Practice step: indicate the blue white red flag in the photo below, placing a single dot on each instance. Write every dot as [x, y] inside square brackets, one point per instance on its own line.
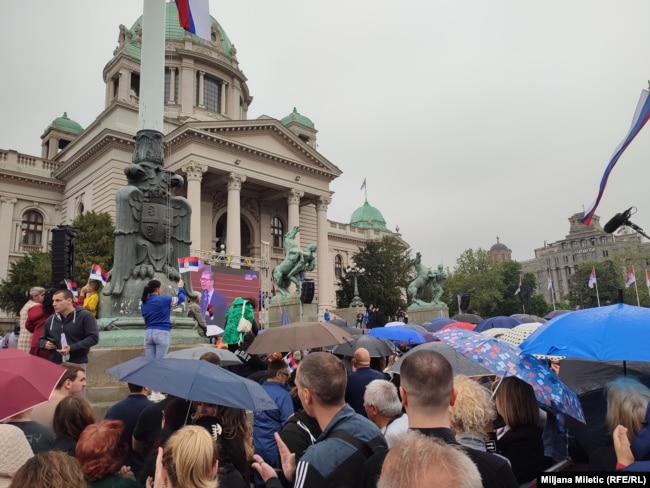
[631, 278]
[188, 263]
[194, 17]
[518, 290]
[291, 362]
[592, 278]
[72, 286]
[98, 273]
[641, 116]
[549, 281]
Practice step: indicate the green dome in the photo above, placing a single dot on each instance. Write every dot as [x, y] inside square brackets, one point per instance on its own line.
[368, 217]
[296, 117]
[67, 125]
[174, 31]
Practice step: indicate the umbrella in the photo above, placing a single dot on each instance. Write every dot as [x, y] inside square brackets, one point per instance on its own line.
[499, 321]
[503, 359]
[195, 380]
[527, 318]
[25, 381]
[339, 322]
[613, 333]
[376, 347]
[472, 318]
[517, 335]
[459, 363]
[459, 325]
[436, 324]
[555, 313]
[428, 336]
[227, 357]
[496, 332]
[397, 333]
[299, 335]
[352, 331]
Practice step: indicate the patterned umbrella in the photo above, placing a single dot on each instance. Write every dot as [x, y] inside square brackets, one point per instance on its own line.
[497, 332]
[502, 359]
[519, 334]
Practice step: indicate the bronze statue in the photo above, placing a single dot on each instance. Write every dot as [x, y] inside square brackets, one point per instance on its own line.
[296, 264]
[426, 277]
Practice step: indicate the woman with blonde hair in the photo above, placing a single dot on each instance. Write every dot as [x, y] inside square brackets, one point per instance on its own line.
[188, 460]
[472, 413]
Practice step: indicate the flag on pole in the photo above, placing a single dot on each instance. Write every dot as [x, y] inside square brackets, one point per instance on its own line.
[72, 286]
[647, 279]
[98, 273]
[363, 185]
[631, 278]
[188, 263]
[641, 116]
[549, 280]
[518, 290]
[194, 17]
[592, 278]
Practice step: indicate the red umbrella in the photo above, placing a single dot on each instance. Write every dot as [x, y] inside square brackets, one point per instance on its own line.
[459, 325]
[26, 381]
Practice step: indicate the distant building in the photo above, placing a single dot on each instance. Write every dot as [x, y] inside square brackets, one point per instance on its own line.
[500, 253]
[580, 245]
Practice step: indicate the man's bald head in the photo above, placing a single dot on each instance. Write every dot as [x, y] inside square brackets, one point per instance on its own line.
[362, 358]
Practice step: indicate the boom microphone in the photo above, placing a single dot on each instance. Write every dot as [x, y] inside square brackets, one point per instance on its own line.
[617, 220]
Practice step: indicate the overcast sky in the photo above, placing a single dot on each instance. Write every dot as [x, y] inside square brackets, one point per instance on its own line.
[470, 119]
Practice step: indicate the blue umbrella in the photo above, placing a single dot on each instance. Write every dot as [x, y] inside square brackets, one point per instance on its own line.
[397, 333]
[436, 324]
[498, 322]
[195, 380]
[614, 333]
[503, 359]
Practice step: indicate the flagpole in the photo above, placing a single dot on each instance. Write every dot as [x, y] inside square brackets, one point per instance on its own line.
[597, 296]
[636, 287]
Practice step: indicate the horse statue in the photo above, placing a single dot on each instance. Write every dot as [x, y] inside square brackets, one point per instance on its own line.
[294, 267]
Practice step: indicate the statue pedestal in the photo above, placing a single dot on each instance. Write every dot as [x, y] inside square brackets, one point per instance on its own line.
[296, 311]
[420, 315]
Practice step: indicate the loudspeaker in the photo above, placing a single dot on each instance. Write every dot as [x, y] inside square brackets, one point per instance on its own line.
[63, 244]
[463, 302]
[307, 294]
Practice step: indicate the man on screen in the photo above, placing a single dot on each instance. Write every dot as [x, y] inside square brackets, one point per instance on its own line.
[213, 304]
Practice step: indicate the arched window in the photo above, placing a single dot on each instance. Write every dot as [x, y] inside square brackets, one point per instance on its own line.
[32, 228]
[277, 231]
[338, 266]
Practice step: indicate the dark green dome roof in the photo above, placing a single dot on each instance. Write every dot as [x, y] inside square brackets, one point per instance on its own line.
[174, 31]
[296, 117]
[67, 125]
[368, 217]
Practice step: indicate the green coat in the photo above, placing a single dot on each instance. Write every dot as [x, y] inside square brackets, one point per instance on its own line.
[230, 334]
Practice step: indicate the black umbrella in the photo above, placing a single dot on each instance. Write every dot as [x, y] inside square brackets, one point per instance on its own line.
[339, 322]
[459, 363]
[376, 347]
[470, 318]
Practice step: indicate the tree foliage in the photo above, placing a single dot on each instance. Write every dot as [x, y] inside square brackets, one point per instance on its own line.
[386, 274]
[34, 269]
[94, 243]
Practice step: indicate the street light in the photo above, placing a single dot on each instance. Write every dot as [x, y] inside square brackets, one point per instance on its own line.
[355, 272]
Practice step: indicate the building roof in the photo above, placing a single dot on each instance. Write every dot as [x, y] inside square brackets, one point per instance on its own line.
[65, 124]
[368, 217]
[499, 247]
[298, 118]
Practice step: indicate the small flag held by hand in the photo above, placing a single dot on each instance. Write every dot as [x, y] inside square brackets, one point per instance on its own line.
[98, 273]
[72, 286]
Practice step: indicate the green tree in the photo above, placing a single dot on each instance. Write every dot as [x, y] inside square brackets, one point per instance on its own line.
[608, 281]
[33, 269]
[94, 243]
[386, 274]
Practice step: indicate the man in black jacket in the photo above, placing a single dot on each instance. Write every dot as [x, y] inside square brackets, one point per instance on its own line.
[426, 389]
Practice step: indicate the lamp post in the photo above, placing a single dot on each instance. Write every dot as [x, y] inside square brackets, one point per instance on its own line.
[355, 272]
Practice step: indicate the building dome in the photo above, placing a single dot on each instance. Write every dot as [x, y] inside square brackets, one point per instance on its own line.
[173, 31]
[65, 124]
[368, 217]
[499, 252]
[297, 118]
[498, 247]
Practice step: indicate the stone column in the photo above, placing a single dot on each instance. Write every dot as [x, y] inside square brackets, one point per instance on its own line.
[293, 203]
[172, 86]
[201, 83]
[187, 90]
[233, 226]
[124, 87]
[6, 218]
[224, 87]
[194, 173]
[323, 266]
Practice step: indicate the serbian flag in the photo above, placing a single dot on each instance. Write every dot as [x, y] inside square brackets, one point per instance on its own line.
[72, 286]
[194, 17]
[631, 278]
[188, 263]
[291, 362]
[549, 281]
[98, 273]
[592, 278]
[518, 290]
[641, 116]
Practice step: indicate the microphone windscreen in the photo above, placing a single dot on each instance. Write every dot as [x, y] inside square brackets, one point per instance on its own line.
[614, 223]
